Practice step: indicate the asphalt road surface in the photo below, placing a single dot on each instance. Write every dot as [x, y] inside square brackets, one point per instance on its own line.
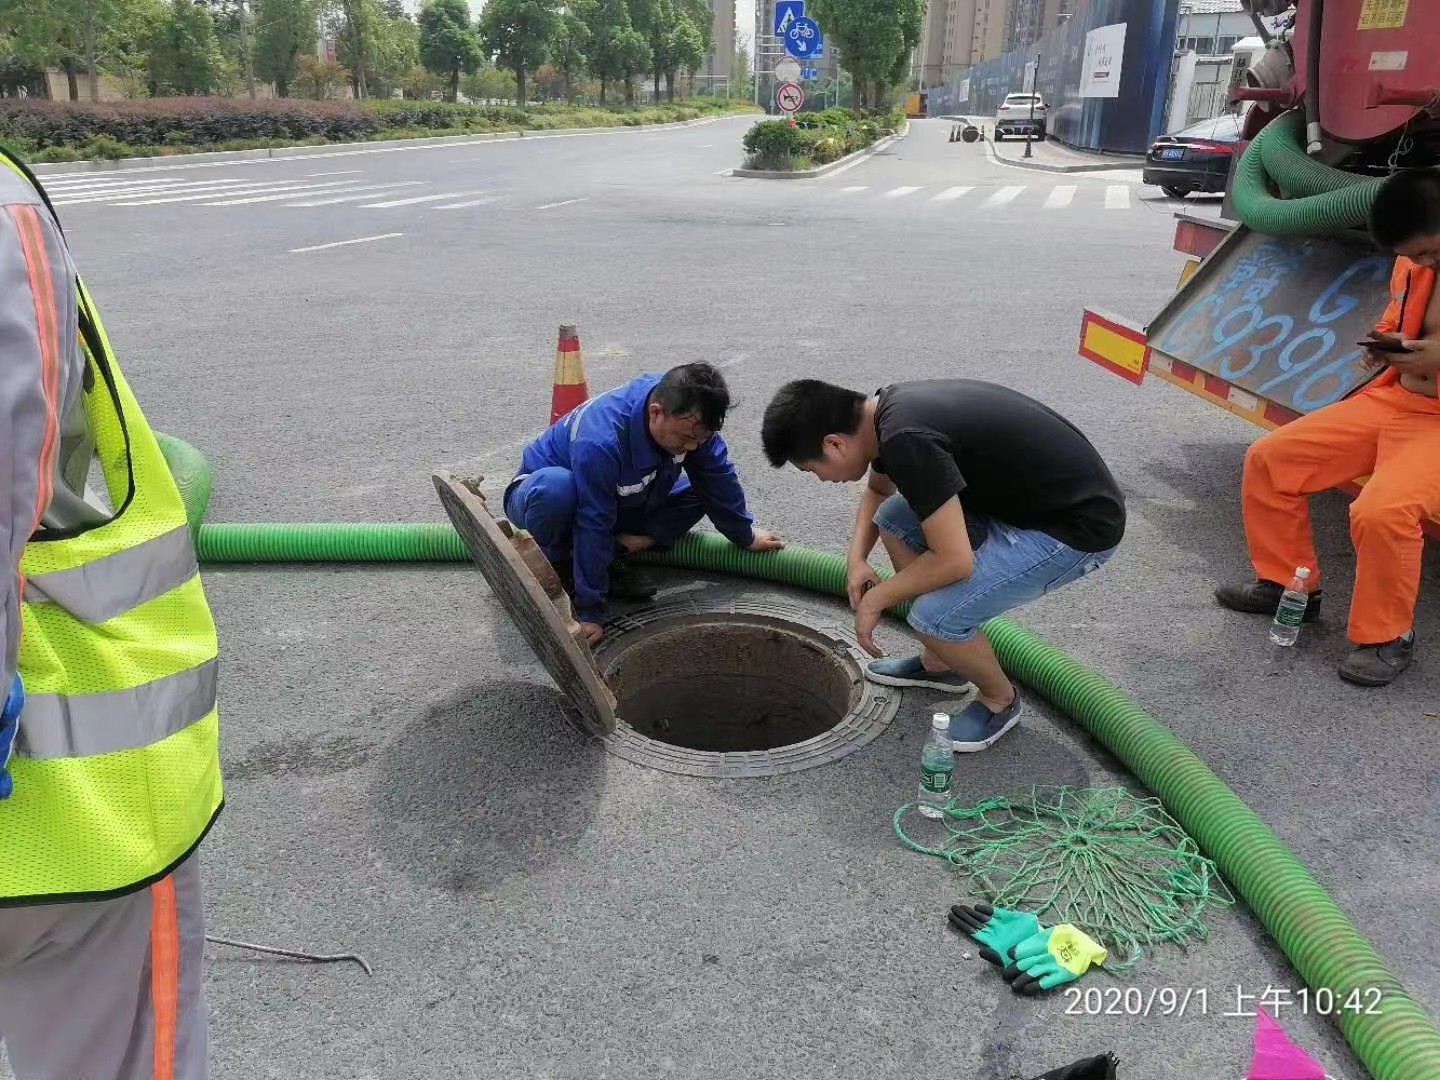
[401, 778]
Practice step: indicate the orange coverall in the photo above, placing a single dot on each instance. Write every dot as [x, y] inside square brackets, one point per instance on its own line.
[1386, 431]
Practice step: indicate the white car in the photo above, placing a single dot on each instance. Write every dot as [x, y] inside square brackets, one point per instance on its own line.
[1014, 116]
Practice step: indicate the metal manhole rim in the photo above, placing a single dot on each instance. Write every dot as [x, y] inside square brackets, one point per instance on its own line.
[860, 725]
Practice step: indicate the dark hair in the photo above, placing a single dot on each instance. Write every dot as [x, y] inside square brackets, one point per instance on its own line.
[1406, 206]
[694, 388]
[802, 413]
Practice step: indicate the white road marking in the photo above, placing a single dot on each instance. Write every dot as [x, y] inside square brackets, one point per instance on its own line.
[366, 191]
[346, 243]
[1005, 195]
[71, 183]
[900, 192]
[1062, 196]
[854, 188]
[468, 203]
[950, 194]
[344, 185]
[563, 202]
[335, 172]
[724, 172]
[1117, 197]
[419, 199]
[295, 189]
[215, 187]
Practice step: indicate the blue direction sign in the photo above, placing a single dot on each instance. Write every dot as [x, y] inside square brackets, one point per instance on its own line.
[809, 73]
[786, 12]
[803, 39]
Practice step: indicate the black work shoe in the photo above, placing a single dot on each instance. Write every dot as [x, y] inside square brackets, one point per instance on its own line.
[1262, 598]
[1378, 665]
[625, 584]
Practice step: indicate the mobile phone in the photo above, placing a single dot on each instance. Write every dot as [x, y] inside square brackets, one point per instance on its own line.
[1390, 345]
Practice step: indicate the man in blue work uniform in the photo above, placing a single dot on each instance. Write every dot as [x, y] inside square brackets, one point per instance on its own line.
[605, 479]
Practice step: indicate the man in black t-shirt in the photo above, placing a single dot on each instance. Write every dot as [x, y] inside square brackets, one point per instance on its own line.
[984, 499]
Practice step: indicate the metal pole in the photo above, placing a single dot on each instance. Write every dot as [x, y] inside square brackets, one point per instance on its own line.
[1034, 83]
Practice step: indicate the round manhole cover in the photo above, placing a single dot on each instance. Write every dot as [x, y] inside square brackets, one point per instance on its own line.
[738, 689]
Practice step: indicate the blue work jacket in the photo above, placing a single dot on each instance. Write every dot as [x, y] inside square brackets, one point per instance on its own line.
[620, 472]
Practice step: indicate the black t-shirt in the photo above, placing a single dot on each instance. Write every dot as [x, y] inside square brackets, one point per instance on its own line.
[1007, 456]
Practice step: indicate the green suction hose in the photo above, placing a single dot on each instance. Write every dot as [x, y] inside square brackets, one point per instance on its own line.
[1328, 200]
[1388, 1030]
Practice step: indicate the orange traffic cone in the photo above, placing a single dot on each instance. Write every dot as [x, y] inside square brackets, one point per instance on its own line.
[570, 387]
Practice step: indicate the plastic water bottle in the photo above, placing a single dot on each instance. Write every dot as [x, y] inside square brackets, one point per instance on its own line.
[937, 767]
[1291, 611]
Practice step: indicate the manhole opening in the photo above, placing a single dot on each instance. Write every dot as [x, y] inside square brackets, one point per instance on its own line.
[730, 682]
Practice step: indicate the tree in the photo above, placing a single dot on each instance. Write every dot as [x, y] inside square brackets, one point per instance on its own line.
[568, 45]
[875, 38]
[448, 43]
[488, 84]
[284, 31]
[397, 53]
[517, 33]
[655, 19]
[183, 54]
[617, 50]
[319, 79]
[684, 50]
[356, 24]
[79, 36]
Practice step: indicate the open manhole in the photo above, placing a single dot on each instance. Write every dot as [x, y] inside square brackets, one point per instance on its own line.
[738, 689]
[704, 689]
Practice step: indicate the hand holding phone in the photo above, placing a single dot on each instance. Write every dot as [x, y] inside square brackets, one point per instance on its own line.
[1384, 343]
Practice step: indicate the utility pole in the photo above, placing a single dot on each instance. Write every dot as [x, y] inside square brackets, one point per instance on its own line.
[245, 49]
[1034, 89]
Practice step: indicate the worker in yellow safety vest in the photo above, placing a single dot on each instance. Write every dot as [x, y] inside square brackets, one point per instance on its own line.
[109, 763]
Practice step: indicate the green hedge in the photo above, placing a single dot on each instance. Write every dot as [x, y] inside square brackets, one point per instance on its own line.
[815, 138]
[67, 131]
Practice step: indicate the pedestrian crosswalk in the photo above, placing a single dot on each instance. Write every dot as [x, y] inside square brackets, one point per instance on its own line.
[998, 197]
[349, 188]
[353, 190]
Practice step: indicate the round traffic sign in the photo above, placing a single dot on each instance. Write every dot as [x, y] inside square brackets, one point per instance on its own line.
[789, 97]
[787, 70]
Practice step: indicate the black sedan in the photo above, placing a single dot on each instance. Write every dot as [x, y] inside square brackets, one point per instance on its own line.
[1195, 159]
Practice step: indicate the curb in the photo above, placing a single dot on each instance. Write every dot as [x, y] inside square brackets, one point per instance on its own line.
[170, 161]
[1099, 166]
[810, 174]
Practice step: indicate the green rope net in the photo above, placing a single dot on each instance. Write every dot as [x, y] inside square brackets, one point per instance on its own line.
[1116, 866]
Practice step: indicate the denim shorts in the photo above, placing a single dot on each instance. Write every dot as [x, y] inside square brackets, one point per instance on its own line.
[1012, 567]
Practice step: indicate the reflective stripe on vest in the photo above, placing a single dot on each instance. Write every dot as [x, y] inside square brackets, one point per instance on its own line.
[117, 776]
[86, 724]
[113, 584]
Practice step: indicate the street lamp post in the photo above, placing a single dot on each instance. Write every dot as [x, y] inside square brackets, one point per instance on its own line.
[1034, 84]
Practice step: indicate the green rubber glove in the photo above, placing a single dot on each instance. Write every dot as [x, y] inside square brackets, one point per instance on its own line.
[998, 929]
[1053, 958]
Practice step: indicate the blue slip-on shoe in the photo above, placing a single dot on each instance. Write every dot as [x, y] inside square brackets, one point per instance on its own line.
[975, 728]
[911, 672]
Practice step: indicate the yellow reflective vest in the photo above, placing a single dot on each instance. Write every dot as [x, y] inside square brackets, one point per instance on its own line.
[117, 767]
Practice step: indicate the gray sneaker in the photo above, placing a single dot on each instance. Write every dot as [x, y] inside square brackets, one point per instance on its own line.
[911, 672]
[1379, 665]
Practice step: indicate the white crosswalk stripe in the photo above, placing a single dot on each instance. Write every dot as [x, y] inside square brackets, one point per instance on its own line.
[900, 192]
[1062, 196]
[270, 197]
[468, 203]
[367, 191]
[950, 194]
[213, 186]
[294, 187]
[1005, 195]
[1117, 197]
[419, 199]
[854, 188]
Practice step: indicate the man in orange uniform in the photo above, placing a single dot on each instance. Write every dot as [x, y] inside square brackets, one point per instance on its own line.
[1389, 431]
